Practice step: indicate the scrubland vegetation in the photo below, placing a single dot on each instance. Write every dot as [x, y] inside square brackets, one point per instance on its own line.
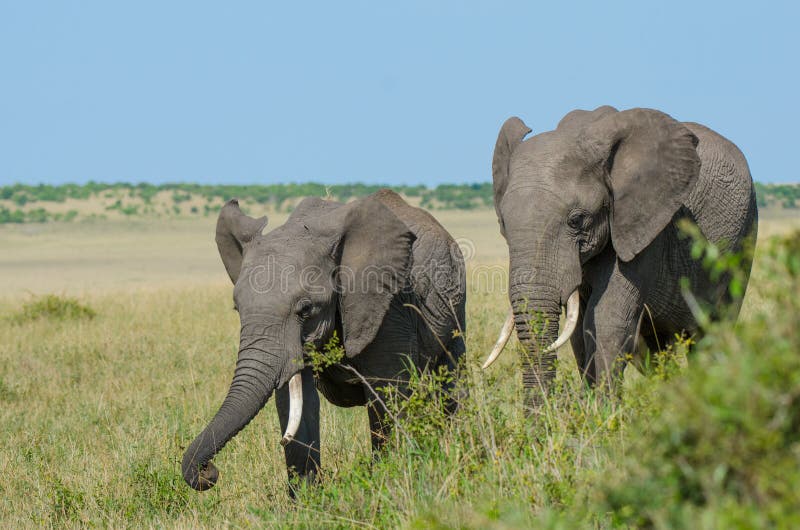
[38, 204]
[100, 392]
[70, 202]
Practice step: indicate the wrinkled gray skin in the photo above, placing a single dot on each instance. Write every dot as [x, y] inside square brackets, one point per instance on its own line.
[593, 205]
[332, 267]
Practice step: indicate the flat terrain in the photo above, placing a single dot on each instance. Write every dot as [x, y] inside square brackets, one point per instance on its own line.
[94, 414]
[86, 258]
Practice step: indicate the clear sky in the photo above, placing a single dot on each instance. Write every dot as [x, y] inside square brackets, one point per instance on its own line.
[401, 92]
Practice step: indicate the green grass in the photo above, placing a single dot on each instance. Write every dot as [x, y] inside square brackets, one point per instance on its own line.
[95, 414]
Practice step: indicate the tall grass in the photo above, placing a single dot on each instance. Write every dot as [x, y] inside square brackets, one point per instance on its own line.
[95, 414]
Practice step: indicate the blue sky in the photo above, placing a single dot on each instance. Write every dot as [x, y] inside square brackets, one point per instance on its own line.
[381, 92]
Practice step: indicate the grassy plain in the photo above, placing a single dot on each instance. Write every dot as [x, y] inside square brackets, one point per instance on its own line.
[95, 413]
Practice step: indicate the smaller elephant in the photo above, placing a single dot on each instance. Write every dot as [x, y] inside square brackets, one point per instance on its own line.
[384, 276]
[590, 212]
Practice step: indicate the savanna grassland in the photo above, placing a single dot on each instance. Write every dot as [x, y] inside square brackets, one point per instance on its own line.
[103, 386]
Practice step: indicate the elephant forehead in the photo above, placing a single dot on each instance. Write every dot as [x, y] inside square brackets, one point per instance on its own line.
[527, 196]
[269, 261]
[272, 275]
[284, 250]
[548, 153]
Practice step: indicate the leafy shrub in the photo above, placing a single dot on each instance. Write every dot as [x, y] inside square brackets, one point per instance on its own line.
[9, 216]
[724, 443]
[178, 197]
[53, 307]
[20, 199]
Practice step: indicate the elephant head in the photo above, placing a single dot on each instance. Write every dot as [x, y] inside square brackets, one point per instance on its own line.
[601, 178]
[329, 267]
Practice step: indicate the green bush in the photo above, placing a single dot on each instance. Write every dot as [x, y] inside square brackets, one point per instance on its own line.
[722, 448]
[11, 216]
[53, 307]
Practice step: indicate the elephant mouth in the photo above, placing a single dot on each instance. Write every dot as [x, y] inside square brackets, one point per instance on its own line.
[573, 310]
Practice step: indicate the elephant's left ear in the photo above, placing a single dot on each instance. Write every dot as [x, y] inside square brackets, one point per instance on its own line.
[652, 165]
[376, 259]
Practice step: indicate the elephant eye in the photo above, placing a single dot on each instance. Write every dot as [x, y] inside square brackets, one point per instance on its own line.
[304, 308]
[576, 220]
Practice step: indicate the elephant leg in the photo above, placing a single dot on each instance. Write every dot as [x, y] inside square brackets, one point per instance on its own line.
[381, 421]
[384, 365]
[379, 427]
[454, 391]
[303, 453]
[611, 324]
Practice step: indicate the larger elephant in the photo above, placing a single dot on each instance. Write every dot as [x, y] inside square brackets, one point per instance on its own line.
[384, 276]
[589, 212]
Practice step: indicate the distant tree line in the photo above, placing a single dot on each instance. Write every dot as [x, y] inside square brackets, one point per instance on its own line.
[782, 195]
[278, 196]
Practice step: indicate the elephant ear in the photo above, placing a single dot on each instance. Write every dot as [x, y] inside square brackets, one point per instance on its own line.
[511, 135]
[234, 230]
[376, 252]
[373, 249]
[652, 165]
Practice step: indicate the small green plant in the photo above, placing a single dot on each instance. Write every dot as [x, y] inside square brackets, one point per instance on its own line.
[159, 487]
[668, 361]
[332, 353]
[721, 263]
[717, 259]
[7, 392]
[421, 407]
[66, 502]
[53, 307]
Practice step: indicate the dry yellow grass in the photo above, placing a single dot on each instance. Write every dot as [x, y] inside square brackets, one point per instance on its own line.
[95, 413]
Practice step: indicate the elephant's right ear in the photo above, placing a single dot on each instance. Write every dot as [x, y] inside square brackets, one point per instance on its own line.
[511, 134]
[234, 230]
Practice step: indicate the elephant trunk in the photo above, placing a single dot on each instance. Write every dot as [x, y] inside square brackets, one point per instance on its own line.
[253, 383]
[536, 316]
[544, 274]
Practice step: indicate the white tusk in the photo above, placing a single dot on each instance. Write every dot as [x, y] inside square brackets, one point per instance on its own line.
[573, 309]
[295, 408]
[505, 333]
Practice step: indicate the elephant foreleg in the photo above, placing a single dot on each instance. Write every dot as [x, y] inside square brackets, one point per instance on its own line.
[611, 324]
[303, 453]
[379, 426]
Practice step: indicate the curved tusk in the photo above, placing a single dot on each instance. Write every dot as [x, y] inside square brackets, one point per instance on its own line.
[573, 310]
[295, 408]
[505, 333]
